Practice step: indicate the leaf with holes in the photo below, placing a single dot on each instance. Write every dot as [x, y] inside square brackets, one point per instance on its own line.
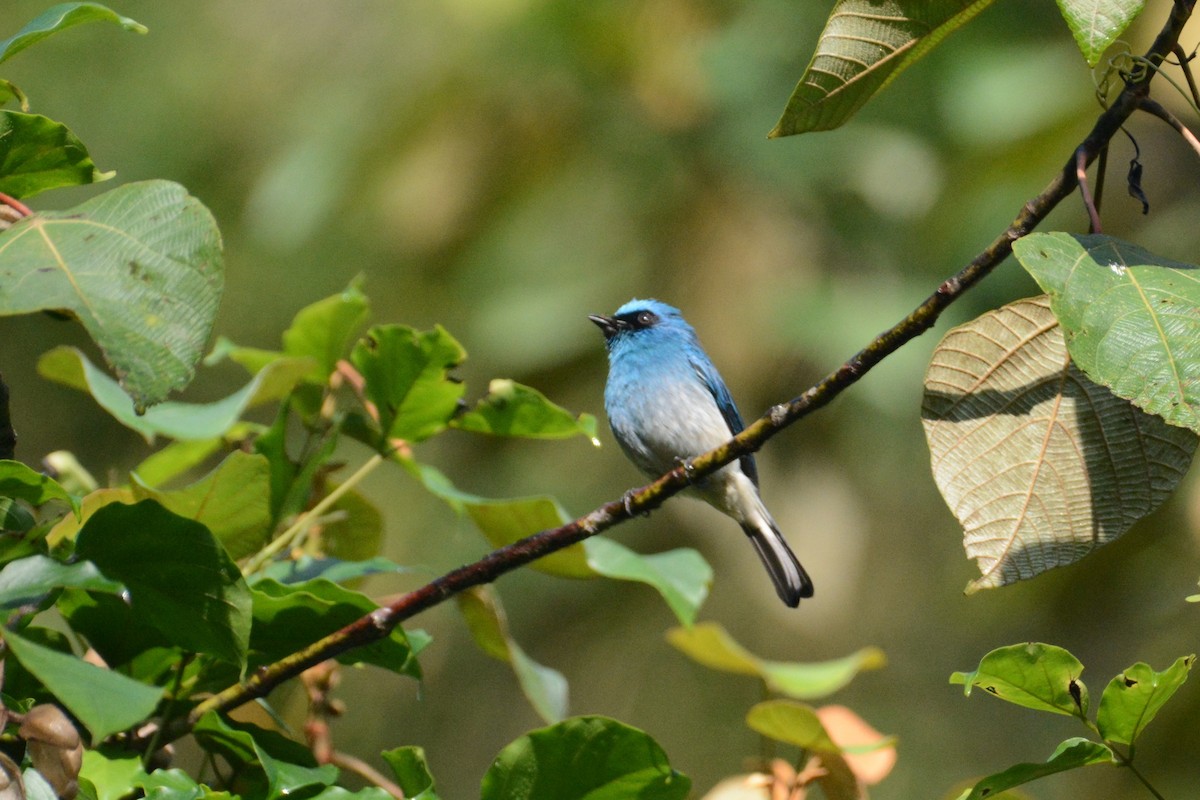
[1132, 699]
[1039, 464]
[139, 266]
[1096, 24]
[865, 45]
[1132, 319]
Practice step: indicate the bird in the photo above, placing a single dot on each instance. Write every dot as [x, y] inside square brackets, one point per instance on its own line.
[666, 404]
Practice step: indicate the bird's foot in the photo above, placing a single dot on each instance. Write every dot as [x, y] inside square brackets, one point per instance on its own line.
[627, 500]
[688, 469]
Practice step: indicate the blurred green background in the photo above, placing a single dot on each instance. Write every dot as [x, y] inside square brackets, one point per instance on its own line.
[505, 167]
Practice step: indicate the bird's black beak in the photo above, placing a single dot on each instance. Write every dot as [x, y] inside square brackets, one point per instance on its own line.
[608, 325]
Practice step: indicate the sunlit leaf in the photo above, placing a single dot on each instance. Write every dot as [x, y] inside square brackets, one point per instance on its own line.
[1071, 754]
[37, 153]
[865, 45]
[1129, 317]
[1096, 24]
[408, 379]
[176, 573]
[681, 576]
[1039, 464]
[232, 501]
[1034, 675]
[141, 268]
[174, 419]
[103, 700]
[324, 330]
[111, 775]
[59, 18]
[69, 526]
[584, 758]
[545, 688]
[23, 483]
[177, 458]
[711, 645]
[791, 722]
[1133, 698]
[510, 409]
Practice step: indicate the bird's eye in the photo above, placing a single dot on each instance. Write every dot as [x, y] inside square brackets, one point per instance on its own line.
[646, 318]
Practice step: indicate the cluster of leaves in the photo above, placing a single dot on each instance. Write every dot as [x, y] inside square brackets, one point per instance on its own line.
[1047, 678]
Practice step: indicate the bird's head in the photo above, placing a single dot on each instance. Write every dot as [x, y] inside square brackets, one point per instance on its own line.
[641, 320]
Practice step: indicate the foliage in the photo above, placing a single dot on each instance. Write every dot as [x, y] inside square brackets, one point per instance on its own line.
[148, 610]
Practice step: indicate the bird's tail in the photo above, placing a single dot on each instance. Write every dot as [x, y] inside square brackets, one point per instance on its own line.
[791, 581]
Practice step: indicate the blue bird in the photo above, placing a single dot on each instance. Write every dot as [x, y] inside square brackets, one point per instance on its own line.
[667, 404]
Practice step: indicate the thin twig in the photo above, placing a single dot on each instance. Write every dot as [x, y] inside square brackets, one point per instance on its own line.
[1185, 64]
[1151, 106]
[379, 623]
[1081, 165]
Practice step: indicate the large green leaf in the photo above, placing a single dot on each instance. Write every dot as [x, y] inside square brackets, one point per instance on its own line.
[681, 576]
[37, 153]
[545, 688]
[180, 579]
[1129, 317]
[103, 700]
[288, 617]
[141, 268]
[711, 645]
[1034, 675]
[408, 379]
[175, 419]
[865, 45]
[58, 18]
[1071, 754]
[592, 758]
[1132, 699]
[232, 501]
[1039, 464]
[510, 409]
[1096, 24]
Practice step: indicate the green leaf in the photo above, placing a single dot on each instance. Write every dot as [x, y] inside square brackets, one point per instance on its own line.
[287, 765]
[681, 576]
[232, 501]
[176, 573]
[864, 46]
[103, 700]
[177, 458]
[290, 617]
[1034, 675]
[37, 153]
[174, 784]
[505, 521]
[1096, 24]
[23, 483]
[711, 645]
[67, 528]
[185, 421]
[791, 722]
[10, 91]
[141, 268]
[1132, 699]
[1129, 317]
[510, 409]
[59, 18]
[306, 568]
[407, 378]
[356, 532]
[584, 757]
[26, 580]
[324, 330]
[1071, 754]
[412, 772]
[112, 775]
[1039, 464]
[545, 688]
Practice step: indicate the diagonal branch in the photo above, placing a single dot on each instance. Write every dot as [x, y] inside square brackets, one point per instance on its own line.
[381, 622]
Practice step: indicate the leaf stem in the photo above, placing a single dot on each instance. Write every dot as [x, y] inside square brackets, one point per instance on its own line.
[298, 528]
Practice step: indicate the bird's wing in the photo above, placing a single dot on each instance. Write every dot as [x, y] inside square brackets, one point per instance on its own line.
[708, 375]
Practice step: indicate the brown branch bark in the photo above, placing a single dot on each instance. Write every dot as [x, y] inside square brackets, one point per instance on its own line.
[381, 622]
